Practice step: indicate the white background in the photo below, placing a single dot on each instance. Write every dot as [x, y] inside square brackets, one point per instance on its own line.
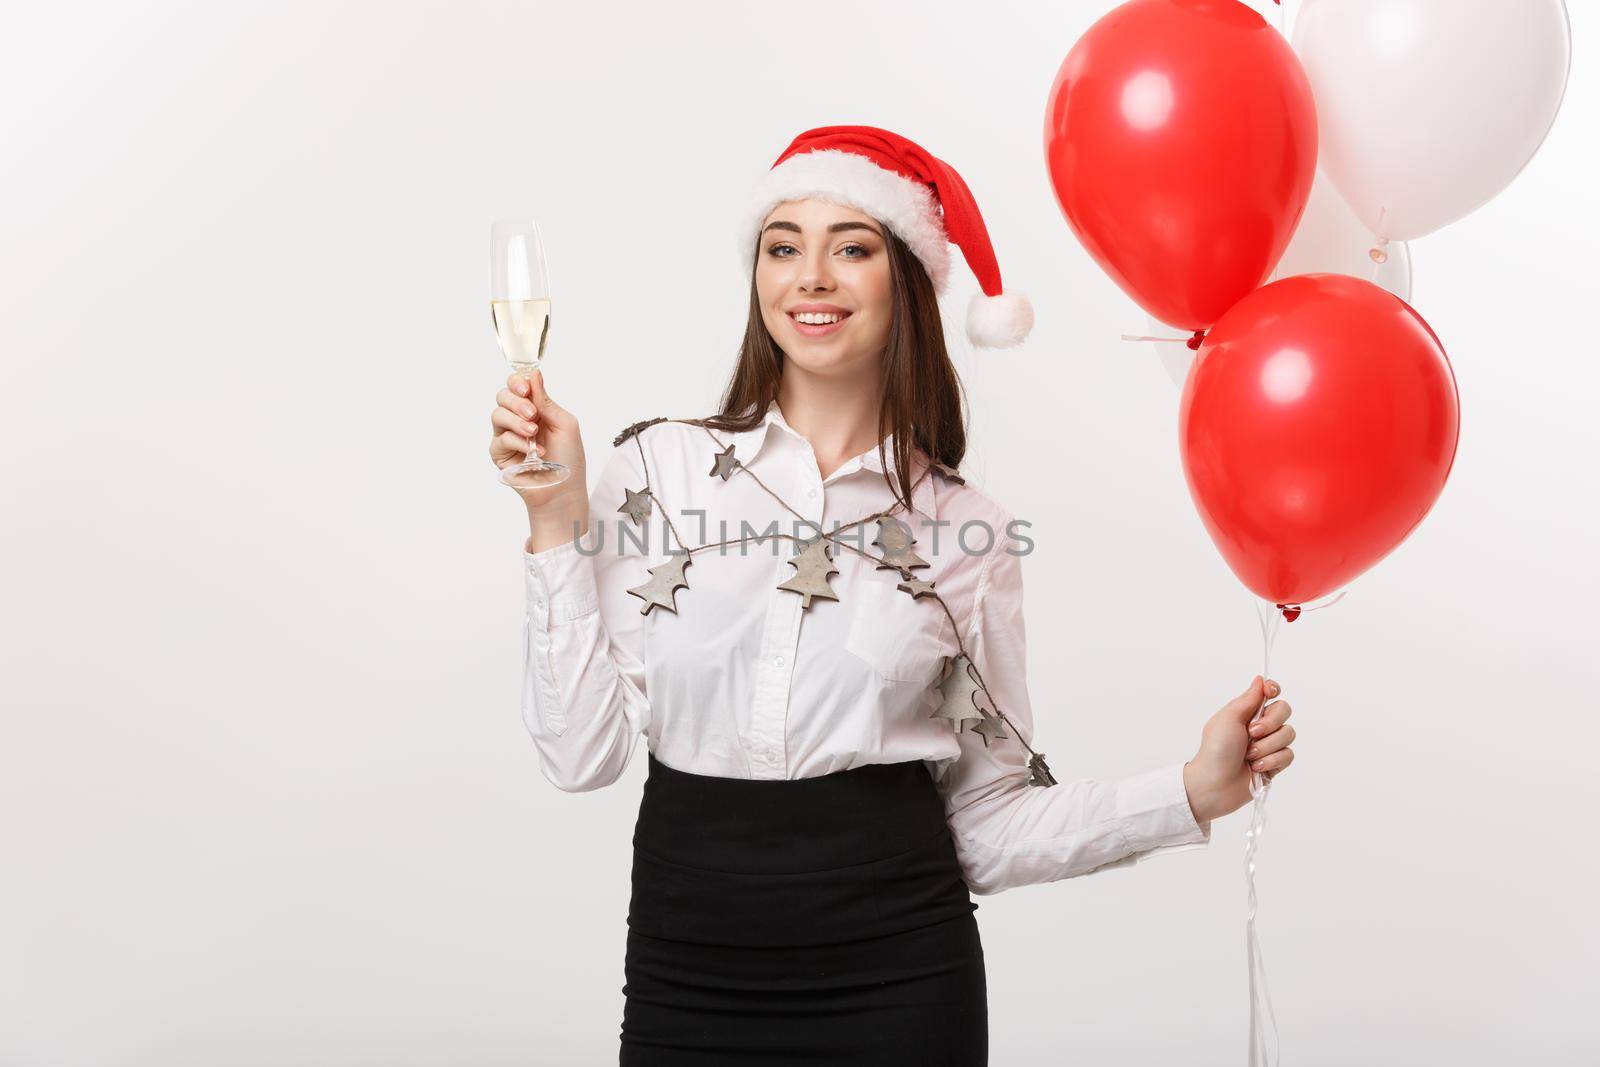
[265, 794]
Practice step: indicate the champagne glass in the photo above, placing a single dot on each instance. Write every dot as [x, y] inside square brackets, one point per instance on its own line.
[519, 306]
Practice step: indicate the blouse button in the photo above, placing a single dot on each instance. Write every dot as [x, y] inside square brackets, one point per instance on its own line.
[777, 661]
[811, 492]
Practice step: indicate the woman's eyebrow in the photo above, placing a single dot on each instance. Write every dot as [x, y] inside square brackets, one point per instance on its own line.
[782, 224]
[836, 227]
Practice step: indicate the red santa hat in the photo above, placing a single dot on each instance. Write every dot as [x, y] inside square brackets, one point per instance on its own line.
[919, 197]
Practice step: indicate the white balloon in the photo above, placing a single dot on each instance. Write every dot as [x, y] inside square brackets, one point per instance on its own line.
[1329, 239]
[1428, 108]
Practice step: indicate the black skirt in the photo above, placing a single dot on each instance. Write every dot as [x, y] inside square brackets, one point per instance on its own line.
[801, 921]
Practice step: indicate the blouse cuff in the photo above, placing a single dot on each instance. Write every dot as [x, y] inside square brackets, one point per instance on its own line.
[1156, 814]
[561, 583]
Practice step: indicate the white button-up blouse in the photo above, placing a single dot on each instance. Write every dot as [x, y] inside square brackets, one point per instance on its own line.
[742, 681]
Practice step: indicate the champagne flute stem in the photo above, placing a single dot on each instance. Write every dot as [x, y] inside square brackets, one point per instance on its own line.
[525, 372]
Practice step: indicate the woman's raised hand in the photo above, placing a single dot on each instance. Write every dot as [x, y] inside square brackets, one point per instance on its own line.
[1232, 746]
[526, 419]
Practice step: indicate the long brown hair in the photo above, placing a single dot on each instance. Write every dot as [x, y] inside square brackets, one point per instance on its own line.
[922, 394]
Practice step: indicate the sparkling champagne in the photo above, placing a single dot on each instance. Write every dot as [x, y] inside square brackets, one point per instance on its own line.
[522, 326]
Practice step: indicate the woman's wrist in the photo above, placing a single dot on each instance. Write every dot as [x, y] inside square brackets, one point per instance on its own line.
[1201, 804]
[557, 520]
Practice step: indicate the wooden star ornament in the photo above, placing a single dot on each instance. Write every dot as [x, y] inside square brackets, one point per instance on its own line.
[723, 465]
[917, 588]
[636, 506]
[812, 568]
[663, 585]
[988, 728]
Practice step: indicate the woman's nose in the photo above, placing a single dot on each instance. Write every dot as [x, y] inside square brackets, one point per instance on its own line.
[815, 277]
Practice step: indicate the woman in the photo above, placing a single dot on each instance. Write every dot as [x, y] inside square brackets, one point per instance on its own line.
[839, 729]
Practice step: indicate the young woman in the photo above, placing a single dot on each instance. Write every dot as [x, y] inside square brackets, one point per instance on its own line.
[817, 626]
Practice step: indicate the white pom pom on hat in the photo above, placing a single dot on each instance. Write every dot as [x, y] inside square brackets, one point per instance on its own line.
[998, 321]
[918, 196]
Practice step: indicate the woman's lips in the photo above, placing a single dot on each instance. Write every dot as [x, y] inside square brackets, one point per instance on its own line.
[808, 330]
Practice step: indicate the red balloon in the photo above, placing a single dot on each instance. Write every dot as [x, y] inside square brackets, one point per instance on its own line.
[1181, 141]
[1318, 425]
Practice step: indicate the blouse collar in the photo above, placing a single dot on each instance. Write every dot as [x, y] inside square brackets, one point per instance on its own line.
[748, 444]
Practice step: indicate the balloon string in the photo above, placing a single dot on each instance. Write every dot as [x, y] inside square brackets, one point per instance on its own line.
[1292, 612]
[1142, 337]
[1326, 603]
[1259, 785]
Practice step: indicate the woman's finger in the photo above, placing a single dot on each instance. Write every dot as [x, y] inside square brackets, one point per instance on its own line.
[536, 391]
[514, 443]
[1273, 716]
[502, 419]
[1275, 761]
[517, 384]
[551, 413]
[512, 402]
[1271, 743]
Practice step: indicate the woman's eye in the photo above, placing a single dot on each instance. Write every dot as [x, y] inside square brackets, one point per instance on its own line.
[777, 248]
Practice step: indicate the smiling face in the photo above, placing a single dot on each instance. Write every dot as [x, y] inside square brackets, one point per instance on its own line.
[818, 262]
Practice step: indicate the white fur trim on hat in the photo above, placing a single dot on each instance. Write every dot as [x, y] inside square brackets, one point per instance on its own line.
[999, 321]
[906, 207]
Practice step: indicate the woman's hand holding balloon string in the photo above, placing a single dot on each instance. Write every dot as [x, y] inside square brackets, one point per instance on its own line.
[1232, 747]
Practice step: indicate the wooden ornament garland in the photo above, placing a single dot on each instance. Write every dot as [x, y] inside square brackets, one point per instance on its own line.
[959, 680]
